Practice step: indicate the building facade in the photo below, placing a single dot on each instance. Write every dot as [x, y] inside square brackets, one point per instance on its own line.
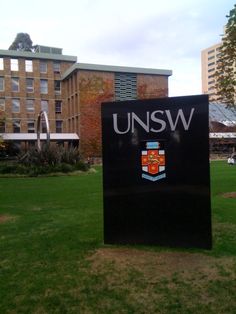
[209, 58]
[71, 93]
[88, 85]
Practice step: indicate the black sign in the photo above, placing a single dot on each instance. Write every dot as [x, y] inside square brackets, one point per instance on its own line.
[156, 172]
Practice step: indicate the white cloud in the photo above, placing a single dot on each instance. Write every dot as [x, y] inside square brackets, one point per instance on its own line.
[151, 33]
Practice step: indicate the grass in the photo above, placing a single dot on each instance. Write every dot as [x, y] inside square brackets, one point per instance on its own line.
[52, 257]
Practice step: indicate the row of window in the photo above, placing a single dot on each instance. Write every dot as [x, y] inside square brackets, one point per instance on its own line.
[15, 85]
[211, 76]
[30, 105]
[16, 126]
[211, 70]
[211, 63]
[213, 50]
[43, 67]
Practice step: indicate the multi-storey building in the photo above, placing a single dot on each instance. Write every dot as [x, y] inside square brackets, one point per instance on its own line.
[71, 93]
[209, 58]
[88, 85]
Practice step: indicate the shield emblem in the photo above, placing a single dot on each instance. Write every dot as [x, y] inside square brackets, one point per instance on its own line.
[153, 161]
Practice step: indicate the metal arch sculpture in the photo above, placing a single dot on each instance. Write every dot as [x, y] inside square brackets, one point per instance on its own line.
[40, 115]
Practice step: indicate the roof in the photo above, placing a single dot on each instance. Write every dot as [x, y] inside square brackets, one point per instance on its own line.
[222, 135]
[219, 112]
[114, 68]
[36, 55]
[43, 136]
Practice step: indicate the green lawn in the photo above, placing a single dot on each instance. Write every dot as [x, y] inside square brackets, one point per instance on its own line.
[52, 257]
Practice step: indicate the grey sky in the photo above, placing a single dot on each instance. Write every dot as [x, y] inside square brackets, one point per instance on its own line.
[163, 34]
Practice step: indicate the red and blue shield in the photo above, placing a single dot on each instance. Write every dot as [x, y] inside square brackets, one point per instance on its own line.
[153, 161]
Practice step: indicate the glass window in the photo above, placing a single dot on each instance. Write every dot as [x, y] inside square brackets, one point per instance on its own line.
[212, 57]
[44, 105]
[211, 51]
[43, 67]
[29, 85]
[56, 67]
[31, 126]
[2, 104]
[58, 126]
[57, 87]
[43, 86]
[1, 64]
[58, 106]
[2, 84]
[2, 127]
[211, 70]
[15, 105]
[15, 86]
[14, 65]
[28, 65]
[29, 105]
[16, 125]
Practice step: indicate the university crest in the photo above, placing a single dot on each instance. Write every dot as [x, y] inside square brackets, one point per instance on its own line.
[153, 161]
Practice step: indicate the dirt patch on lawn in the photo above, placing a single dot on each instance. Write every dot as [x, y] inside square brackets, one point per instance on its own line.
[229, 195]
[156, 265]
[6, 218]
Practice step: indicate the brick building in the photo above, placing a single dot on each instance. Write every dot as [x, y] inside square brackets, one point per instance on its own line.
[70, 92]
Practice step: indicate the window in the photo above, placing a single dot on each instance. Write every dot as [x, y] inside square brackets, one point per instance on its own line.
[211, 76]
[29, 85]
[211, 51]
[14, 65]
[43, 86]
[210, 64]
[43, 67]
[2, 104]
[15, 105]
[58, 126]
[31, 126]
[211, 82]
[2, 127]
[2, 84]
[44, 105]
[210, 58]
[57, 87]
[56, 67]
[211, 70]
[15, 87]
[58, 106]
[1, 64]
[125, 86]
[28, 65]
[29, 105]
[16, 125]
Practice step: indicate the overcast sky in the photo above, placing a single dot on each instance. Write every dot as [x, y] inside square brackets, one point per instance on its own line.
[161, 34]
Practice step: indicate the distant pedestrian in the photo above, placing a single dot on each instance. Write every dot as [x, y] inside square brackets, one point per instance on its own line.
[231, 161]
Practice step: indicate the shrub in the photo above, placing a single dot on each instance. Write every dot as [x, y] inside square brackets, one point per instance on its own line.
[49, 160]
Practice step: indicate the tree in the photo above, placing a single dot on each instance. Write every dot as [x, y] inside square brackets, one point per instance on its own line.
[22, 42]
[226, 65]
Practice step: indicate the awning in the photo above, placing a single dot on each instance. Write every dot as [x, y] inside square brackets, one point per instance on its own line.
[43, 136]
[223, 135]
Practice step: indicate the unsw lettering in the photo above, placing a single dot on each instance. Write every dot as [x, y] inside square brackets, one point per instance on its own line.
[153, 121]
